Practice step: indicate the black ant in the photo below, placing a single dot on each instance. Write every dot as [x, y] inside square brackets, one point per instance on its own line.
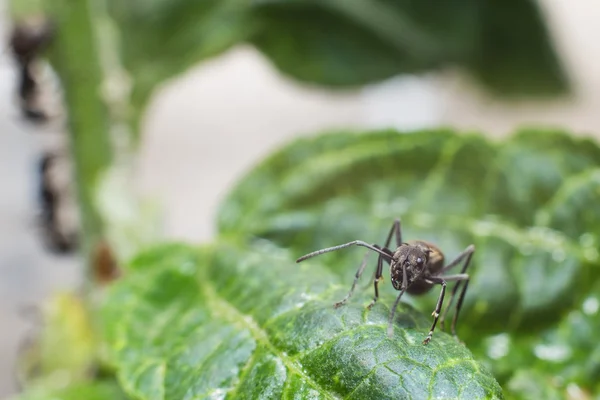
[56, 211]
[415, 267]
[28, 40]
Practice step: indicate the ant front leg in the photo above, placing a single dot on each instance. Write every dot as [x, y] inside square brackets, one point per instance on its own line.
[378, 275]
[357, 276]
[395, 230]
[466, 256]
[438, 307]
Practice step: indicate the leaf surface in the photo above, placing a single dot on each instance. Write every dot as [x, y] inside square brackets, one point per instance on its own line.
[528, 203]
[237, 323]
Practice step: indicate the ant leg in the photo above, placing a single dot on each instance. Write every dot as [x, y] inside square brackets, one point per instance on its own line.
[468, 252]
[460, 278]
[438, 307]
[394, 230]
[397, 231]
[377, 249]
[465, 255]
[458, 307]
[390, 329]
[356, 278]
[376, 281]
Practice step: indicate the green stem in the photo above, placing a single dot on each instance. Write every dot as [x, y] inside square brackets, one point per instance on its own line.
[76, 59]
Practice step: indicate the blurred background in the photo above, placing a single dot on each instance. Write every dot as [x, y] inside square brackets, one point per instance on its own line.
[208, 126]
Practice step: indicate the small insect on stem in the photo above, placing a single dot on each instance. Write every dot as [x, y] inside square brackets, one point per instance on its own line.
[415, 267]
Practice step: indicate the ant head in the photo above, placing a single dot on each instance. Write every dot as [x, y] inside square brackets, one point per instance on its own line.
[30, 36]
[414, 255]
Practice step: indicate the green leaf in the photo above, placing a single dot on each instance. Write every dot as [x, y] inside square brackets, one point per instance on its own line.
[339, 43]
[163, 38]
[233, 322]
[505, 45]
[101, 390]
[528, 203]
[348, 43]
[565, 356]
[515, 55]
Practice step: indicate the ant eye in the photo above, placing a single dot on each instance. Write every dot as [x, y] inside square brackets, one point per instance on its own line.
[419, 261]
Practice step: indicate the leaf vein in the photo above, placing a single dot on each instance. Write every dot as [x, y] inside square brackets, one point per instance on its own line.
[225, 308]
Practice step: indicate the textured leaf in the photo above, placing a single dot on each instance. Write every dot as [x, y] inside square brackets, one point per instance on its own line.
[237, 323]
[528, 203]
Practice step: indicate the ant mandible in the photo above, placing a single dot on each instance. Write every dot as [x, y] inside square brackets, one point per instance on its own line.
[415, 267]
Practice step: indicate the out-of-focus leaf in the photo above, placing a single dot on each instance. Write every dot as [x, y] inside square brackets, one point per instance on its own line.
[102, 390]
[531, 385]
[131, 223]
[515, 55]
[229, 322]
[565, 356]
[528, 203]
[65, 346]
[505, 45]
[549, 159]
[339, 43]
[25, 8]
[349, 43]
[163, 38]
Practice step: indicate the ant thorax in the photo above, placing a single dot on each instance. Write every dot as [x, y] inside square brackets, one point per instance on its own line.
[414, 257]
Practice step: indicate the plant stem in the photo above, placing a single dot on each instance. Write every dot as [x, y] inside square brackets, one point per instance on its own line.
[75, 58]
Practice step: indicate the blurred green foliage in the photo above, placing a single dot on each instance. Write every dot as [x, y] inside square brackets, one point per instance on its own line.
[102, 390]
[330, 43]
[343, 43]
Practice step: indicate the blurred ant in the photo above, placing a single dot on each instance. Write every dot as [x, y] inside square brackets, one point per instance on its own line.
[415, 266]
[28, 40]
[59, 217]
